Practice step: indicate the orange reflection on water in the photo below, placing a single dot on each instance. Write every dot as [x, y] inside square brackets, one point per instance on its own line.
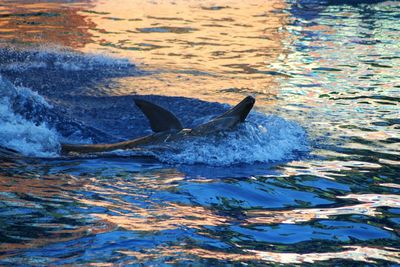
[356, 253]
[40, 186]
[156, 215]
[54, 23]
[38, 193]
[164, 217]
[198, 49]
[203, 36]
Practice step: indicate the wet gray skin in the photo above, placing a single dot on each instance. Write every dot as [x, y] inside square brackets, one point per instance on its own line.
[167, 128]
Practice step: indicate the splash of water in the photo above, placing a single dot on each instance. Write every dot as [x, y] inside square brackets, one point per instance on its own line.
[17, 60]
[16, 132]
[263, 139]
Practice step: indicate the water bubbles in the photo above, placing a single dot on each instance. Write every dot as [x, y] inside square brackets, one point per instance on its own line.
[262, 139]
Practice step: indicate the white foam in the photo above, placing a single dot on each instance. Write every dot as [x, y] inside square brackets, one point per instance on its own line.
[22, 66]
[75, 61]
[20, 134]
[26, 94]
[263, 139]
[63, 59]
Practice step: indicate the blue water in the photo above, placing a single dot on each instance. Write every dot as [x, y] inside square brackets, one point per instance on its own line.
[311, 177]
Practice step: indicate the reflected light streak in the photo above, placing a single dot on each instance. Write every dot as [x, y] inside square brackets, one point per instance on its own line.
[48, 191]
[167, 217]
[369, 208]
[58, 237]
[38, 194]
[325, 169]
[154, 216]
[355, 253]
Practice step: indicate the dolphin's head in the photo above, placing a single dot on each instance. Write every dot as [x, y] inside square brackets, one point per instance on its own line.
[243, 108]
[228, 120]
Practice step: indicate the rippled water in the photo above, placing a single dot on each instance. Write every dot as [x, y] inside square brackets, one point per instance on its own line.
[312, 177]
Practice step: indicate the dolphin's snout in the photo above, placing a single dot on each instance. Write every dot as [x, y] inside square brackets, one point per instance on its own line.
[243, 108]
[250, 99]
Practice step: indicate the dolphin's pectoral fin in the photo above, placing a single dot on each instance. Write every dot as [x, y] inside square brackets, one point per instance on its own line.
[160, 119]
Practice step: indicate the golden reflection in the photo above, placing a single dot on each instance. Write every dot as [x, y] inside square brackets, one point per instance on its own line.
[151, 23]
[160, 217]
[45, 23]
[195, 49]
[355, 253]
[51, 190]
[165, 179]
[40, 186]
[371, 203]
[155, 216]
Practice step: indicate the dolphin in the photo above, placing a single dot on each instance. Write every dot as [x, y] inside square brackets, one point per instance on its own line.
[167, 128]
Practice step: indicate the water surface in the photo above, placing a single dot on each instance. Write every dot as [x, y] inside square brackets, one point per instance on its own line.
[310, 178]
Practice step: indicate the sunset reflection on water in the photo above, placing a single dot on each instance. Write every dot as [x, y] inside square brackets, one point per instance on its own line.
[365, 254]
[190, 46]
[330, 70]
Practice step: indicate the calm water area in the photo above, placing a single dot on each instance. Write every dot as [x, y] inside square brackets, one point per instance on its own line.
[311, 178]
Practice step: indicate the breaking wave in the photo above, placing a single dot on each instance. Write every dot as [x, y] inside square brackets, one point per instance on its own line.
[19, 133]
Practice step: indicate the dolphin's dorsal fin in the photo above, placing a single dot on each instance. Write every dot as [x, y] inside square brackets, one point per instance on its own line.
[160, 119]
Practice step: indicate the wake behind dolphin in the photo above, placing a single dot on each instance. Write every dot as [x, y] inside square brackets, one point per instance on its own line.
[167, 128]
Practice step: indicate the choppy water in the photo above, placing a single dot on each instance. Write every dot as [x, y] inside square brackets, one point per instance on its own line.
[312, 177]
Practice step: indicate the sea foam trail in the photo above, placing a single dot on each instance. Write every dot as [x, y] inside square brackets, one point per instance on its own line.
[19, 133]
